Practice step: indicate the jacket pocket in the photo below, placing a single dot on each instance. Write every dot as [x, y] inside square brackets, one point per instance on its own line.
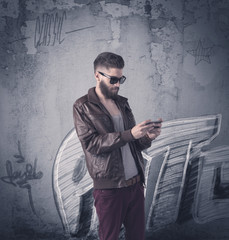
[99, 166]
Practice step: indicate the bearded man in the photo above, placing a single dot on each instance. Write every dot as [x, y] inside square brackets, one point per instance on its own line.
[112, 143]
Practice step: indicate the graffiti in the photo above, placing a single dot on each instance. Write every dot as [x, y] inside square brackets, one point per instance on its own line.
[17, 178]
[21, 179]
[70, 167]
[80, 29]
[48, 29]
[181, 140]
[175, 196]
[19, 156]
[212, 195]
[221, 190]
[201, 53]
[74, 201]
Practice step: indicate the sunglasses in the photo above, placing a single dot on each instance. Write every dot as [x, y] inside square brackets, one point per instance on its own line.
[114, 80]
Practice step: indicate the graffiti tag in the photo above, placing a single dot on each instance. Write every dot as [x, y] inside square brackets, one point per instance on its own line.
[21, 178]
[48, 30]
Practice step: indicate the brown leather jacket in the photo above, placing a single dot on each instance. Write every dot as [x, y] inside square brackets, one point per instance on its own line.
[100, 142]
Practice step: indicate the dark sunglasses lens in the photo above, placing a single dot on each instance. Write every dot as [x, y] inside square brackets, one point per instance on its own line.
[113, 80]
[122, 80]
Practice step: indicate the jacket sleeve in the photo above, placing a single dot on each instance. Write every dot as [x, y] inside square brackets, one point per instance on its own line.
[91, 140]
[143, 143]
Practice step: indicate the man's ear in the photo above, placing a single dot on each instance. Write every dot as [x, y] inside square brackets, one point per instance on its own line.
[97, 76]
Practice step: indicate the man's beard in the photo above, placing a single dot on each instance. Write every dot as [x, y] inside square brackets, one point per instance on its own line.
[108, 93]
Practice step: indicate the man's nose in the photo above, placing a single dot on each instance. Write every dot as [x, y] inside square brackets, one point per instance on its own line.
[117, 84]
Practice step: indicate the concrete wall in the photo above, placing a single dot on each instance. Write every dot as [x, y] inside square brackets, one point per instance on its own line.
[177, 65]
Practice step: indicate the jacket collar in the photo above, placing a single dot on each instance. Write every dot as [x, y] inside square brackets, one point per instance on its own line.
[92, 97]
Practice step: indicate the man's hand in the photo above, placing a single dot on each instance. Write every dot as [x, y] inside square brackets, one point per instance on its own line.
[152, 130]
[141, 129]
[156, 131]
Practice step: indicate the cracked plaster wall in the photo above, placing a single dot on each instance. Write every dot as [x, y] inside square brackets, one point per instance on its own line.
[176, 55]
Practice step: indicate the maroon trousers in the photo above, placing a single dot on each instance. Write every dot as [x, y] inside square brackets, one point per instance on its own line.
[119, 206]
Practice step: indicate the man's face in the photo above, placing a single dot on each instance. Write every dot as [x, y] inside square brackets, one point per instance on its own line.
[110, 91]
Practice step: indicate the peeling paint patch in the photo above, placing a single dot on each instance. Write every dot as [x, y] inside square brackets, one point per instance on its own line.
[29, 35]
[115, 28]
[95, 8]
[158, 23]
[116, 10]
[9, 8]
[122, 2]
[161, 52]
[169, 8]
[158, 56]
[43, 6]
[82, 1]
[148, 8]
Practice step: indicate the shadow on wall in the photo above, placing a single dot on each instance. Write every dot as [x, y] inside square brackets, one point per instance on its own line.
[183, 182]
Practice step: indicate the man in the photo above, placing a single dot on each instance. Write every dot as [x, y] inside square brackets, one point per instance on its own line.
[112, 144]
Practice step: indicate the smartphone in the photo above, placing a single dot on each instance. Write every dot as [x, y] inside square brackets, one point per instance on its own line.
[156, 122]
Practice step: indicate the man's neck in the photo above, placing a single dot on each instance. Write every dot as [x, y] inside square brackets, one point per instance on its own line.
[101, 97]
[108, 103]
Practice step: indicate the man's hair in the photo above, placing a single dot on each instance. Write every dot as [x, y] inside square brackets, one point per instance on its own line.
[109, 60]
